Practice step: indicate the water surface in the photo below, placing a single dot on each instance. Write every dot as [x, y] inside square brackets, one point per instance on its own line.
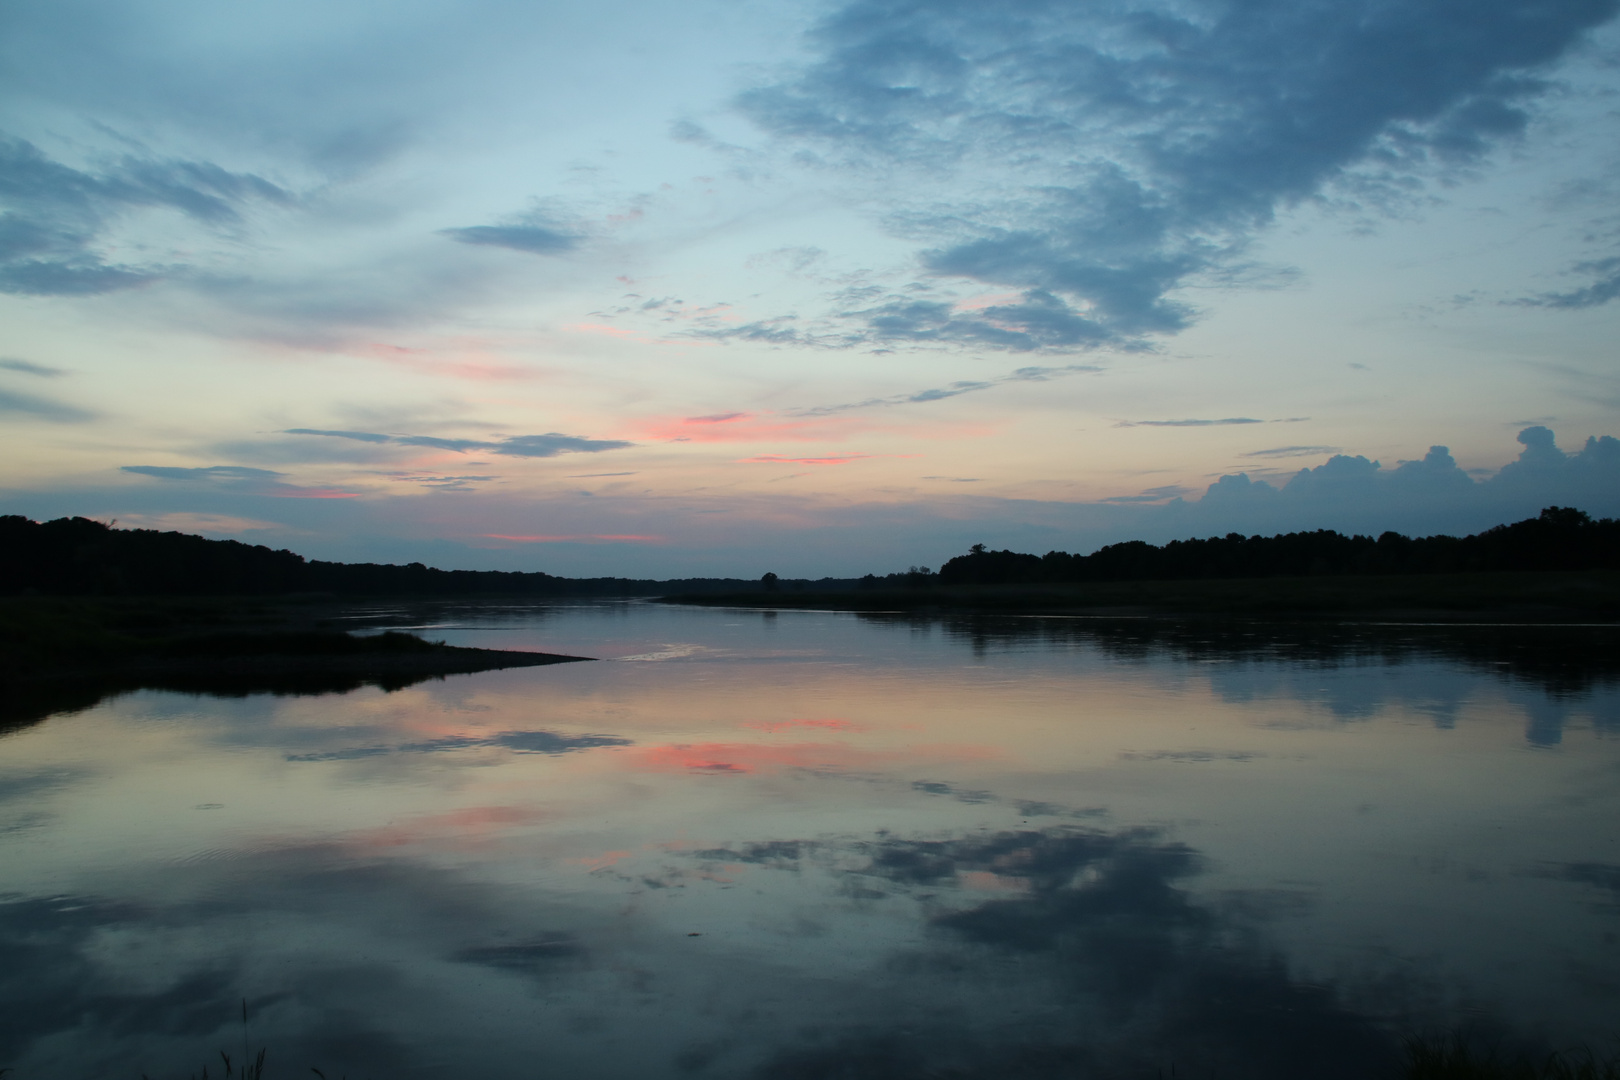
[806, 844]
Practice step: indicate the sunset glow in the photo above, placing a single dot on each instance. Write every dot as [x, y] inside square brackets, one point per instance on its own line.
[818, 289]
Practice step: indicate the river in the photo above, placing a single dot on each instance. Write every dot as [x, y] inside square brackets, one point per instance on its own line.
[803, 844]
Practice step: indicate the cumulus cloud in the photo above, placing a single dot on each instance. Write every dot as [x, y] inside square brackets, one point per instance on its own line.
[531, 446]
[1353, 493]
[54, 219]
[1096, 158]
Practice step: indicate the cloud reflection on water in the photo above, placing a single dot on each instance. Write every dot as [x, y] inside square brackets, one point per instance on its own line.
[519, 742]
[1093, 955]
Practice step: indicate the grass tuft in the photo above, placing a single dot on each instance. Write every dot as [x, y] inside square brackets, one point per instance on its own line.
[1454, 1058]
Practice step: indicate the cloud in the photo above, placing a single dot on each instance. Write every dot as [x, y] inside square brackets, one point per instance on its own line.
[362, 436]
[1600, 291]
[1353, 493]
[747, 427]
[534, 239]
[56, 219]
[446, 483]
[42, 408]
[212, 472]
[239, 479]
[1096, 158]
[776, 459]
[531, 446]
[183, 521]
[950, 390]
[542, 446]
[1151, 495]
[8, 363]
[1190, 423]
[1293, 451]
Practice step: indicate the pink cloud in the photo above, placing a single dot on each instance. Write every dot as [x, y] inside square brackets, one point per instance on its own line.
[471, 364]
[749, 427]
[776, 459]
[979, 303]
[288, 491]
[778, 726]
[739, 759]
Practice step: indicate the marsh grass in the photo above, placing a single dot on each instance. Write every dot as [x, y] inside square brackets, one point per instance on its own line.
[1455, 1058]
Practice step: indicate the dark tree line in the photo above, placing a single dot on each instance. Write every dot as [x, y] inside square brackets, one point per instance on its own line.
[1560, 539]
[81, 557]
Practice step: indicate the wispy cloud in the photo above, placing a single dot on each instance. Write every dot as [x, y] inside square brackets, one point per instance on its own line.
[1151, 495]
[1097, 158]
[42, 408]
[51, 236]
[186, 521]
[1190, 423]
[1605, 288]
[1292, 451]
[533, 239]
[776, 459]
[950, 390]
[529, 446]
[444, 483]
[239, 479]
[9, 363]
[735, 427]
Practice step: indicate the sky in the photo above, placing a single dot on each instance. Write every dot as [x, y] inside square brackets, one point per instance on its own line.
[727, 286]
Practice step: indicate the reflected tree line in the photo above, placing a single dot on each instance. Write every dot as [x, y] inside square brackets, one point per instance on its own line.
[1561, 666]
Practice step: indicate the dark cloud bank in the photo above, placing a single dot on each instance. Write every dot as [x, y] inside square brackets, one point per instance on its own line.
[1125, 151]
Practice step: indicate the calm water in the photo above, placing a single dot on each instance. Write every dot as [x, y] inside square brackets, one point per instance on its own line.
[809, 845]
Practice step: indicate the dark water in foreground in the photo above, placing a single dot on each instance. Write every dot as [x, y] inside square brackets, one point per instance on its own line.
[810, 845]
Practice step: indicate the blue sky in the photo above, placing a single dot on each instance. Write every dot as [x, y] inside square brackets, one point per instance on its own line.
[724, 286]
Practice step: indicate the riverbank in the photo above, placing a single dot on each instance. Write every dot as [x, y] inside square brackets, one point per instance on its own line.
[232, 646]
[1582, 596]
[63, 654]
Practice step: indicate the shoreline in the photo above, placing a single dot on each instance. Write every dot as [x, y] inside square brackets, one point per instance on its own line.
[1579, 597]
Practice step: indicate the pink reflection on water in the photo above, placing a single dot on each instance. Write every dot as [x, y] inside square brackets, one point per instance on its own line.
[718, 758]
